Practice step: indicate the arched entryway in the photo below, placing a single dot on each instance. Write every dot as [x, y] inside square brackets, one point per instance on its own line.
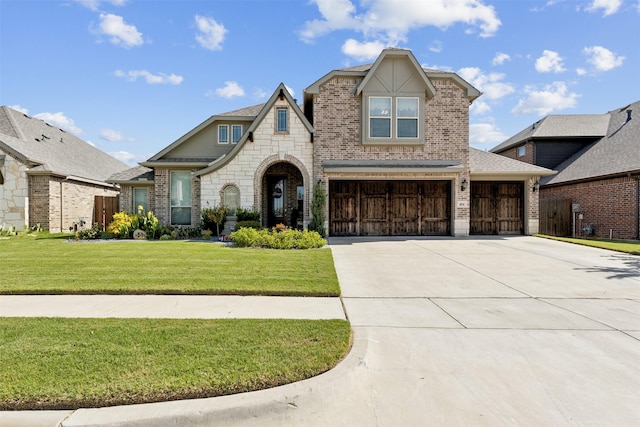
[283, 195]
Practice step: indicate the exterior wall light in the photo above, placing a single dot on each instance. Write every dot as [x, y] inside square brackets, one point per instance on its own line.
[463, 184]
[536, 186]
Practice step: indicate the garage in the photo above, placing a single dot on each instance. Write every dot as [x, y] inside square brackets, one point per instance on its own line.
[497, 208]
[390, 208]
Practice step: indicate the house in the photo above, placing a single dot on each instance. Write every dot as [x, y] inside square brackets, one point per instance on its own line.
[48, 177]
[596, 192]
[388, 142]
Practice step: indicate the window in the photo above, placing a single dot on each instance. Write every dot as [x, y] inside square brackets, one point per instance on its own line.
[407, 116]
[282, 119]
[379, 117]
[223, 134]
[522, 151]
[231, 197]
[140, 198]
[180, 198]
[236, 133]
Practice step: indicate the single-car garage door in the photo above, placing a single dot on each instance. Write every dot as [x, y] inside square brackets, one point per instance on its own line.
[497, 208]
[389, 208]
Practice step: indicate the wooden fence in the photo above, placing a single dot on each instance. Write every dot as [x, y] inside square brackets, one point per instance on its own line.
[555, 217]
[104, 208]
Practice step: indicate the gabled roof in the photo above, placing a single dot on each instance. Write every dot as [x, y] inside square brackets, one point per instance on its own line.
[135, 175]
[559, 126]
[618, 152]
[50, 150]
[484, 163]
[280, 92]
[366, 72]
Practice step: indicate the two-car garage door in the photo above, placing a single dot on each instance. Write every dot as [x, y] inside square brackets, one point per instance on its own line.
[389, 208]
[421, 208]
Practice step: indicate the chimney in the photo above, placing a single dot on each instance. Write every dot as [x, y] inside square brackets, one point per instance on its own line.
[629, 115]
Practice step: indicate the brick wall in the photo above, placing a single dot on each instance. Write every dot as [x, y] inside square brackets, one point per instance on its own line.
[337, 123]
[609, 205]
[529, 156]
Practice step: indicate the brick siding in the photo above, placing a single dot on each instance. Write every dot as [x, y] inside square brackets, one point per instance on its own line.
[609, 205]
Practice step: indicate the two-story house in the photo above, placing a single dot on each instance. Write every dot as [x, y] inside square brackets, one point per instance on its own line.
[596, 192]
[388, 142]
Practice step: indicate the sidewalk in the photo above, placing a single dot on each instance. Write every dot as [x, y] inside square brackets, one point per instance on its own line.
[171, 306]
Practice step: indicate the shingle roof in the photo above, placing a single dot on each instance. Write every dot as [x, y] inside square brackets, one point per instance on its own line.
[559, 126]
[247, 111]
[617, 152]
[482, 162]
[51, 149]
[138, 173]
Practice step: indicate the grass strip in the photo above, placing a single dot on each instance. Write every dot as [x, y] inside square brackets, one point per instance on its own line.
[72, 363]
[625, 246]
[54, 266]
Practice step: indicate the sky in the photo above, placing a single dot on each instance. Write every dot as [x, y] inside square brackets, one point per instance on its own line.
[132, 76]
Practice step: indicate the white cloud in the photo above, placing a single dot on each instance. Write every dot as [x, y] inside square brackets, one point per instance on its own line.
[385, 22]
[549, 62]
[291, 91]
[602, 58]
[485, 134]
[260, 94]
[230, 90]
[95, 4]
[19, 108]
[210, 34]
[609, 7]
[479, 107]
[500, 58]
[60, 120]
[435, 46]
[491, 84]
[120, 33]
[113, 136]
[362, 51]
[581, 71]
[150, 78]
[126, 157]
[553, 97]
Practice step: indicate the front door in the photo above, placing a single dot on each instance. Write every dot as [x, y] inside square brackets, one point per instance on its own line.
[277, 186]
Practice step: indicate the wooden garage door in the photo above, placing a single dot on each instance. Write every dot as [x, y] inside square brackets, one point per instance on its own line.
[497, 208]
[389, 208]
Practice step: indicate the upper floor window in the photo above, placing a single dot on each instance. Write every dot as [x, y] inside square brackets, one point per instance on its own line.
[236, 133]
[394, 119]
[522, 151]
[223, 134]
[282, 120]
[407, 117]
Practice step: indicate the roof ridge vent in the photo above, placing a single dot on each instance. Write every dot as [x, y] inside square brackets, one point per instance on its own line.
[629, 115]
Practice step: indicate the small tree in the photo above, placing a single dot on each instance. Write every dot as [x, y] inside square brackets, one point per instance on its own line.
[217, 215]
[317, 210]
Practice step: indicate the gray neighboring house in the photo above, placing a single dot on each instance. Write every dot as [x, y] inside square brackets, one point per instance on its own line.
[596, 192]
[49, 177]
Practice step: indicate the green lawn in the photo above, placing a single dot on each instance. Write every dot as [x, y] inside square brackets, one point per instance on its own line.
[56, 266]
[71, 363]
[626, 246]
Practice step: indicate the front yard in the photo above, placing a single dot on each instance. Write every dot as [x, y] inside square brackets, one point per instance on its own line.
[53, 363]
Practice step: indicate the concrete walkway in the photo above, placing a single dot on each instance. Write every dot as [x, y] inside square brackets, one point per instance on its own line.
[450, 332]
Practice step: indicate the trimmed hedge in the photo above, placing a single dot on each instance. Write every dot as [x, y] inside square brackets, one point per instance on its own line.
[272, 239]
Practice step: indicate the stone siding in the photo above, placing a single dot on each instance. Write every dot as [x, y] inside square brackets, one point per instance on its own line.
[14, 194]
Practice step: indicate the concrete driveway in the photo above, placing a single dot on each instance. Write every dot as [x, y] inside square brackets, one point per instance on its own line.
[457, 332]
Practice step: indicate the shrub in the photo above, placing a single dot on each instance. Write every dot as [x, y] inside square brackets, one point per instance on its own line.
[247, 214]
[90, 233]
[274, 239]
[317, 210]
[213, 218]
[122, 225]
[248, 224]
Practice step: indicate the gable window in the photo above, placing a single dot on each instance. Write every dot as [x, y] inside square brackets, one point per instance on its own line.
[180, 198]
[407, 117]
[140, 198]
[223, 134]
[236, 133]
[522, 151]
[379, 117]
[282, 120]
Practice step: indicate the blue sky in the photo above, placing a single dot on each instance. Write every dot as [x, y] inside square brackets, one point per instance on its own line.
[132, 76]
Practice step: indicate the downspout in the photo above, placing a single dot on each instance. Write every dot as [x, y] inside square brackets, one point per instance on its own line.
[637, 179]
[61, 203]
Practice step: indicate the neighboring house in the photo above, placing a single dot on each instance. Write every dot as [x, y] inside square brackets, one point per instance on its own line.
[388, 142]
[596, 191]
[49, 177]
